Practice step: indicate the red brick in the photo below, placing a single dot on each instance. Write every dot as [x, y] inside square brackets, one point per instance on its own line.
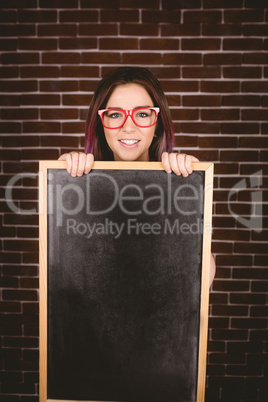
[58, 86]
[255, 58]
[63, 141]
[237, 16]
[9, 100]
[8, 44]
[242, 72]
[255, 30]
[88, 86]
[99, 4]
[255, 114]
[241, 100]
[234, 260]
[138, 29]
[20, 141]
[220, 86]
[17, 30]
[77, 43]
[202, 16]
[217, 142]
[159, 44]
[255, 86]
[101, 57]
[78, 16]
[118, 43]
[249, 347]
[57, 30]
[182, 58]
[242, 44]
[60, 58]
[18, 86]
[225, 168]
[37, 44]
[97, 29]
[201, 128]
[170, 16]
[37, 16]
[227, 358]
[201, 72]
[180, 30]
[200, 44]
[179, 86]
[240, 128]
[186, 141]
[40, 99]
[239, 156]
[247, 298]
[260, 286]
[19, 114]
[220, 114]
[41, 127]
[40, 72]
[222, 3]
[253, 142]
[59, 114]
[9, 72]
[221, 30]
[142, 58]
[171, 5]
[229, 334]
[255, 4]
[58, 3]
[222, 58]
[119, 15]
[251, 273]
[201, 100]
[8, 16]
[167, 72]
[184, 114]
[20, 295]
[73, 128]
[20, 58]
[76, 100]
[39, 154]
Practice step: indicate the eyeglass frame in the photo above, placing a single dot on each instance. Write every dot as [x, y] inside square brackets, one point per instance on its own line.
[128, 113]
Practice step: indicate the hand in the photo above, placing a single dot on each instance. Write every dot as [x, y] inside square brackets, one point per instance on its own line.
[180, 164]
[77, 162]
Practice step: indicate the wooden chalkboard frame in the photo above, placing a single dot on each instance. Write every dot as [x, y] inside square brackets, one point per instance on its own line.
[43, 250]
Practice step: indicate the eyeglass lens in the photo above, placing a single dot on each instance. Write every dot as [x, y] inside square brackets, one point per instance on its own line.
[116, 118]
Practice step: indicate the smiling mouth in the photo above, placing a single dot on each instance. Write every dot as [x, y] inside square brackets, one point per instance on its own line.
[129, 142]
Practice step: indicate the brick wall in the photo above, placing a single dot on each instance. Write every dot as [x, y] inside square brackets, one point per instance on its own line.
[213, 65]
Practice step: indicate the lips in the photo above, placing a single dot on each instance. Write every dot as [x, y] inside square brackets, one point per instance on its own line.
[129, 143]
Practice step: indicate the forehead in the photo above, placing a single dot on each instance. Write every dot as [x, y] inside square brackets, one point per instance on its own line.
[129, 96]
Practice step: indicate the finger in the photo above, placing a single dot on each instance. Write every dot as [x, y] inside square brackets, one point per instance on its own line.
[62, 157]
[174, 163]
[81, 164]
[69, 162]
[74, 163]
[188, 162]
[165, 162]
[181, 163]
[89, 163]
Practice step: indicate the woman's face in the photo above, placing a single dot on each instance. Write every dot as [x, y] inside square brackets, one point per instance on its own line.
[130, 142]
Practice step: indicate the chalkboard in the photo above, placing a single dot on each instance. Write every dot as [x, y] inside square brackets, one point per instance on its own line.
[124, 268]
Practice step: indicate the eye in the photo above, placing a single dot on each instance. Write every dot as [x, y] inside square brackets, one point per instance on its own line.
[114, 115]
[143, 114]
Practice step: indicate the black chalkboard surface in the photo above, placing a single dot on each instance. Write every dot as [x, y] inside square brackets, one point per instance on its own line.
[124, 279]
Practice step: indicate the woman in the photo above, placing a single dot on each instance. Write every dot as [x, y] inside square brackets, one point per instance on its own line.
[129, 120]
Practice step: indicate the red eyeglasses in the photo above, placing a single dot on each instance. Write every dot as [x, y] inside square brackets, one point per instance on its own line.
[116, 118]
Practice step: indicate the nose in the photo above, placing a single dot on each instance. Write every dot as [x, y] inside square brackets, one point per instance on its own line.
[129, 124]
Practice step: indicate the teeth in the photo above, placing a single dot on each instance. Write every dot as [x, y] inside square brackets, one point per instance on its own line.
[129, 142]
